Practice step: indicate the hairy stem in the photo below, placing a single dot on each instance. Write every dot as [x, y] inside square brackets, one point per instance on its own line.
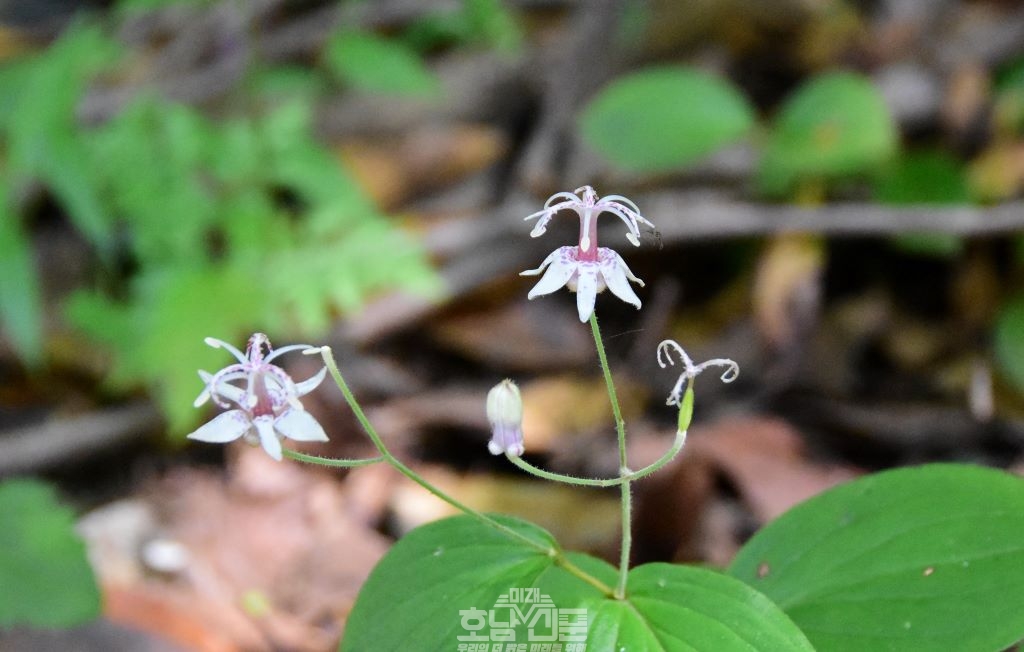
[624, 472]
[677, 446]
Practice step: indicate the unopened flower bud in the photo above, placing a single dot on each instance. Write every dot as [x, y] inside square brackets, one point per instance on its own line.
[505, 413]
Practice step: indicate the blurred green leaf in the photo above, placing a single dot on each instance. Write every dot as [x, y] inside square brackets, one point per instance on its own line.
[158, 338]
[835, 125]
[154, 155]
[484, 22]
[1009, 341]
[46, 578]
[664, 118]
[139, 6]
[924, 178]
[280, 84]
[936, 245]
[489, 21]
[235, 226]
[929, 177]
[379, 65]
[14, 77]
[20, 301]
[43, 136]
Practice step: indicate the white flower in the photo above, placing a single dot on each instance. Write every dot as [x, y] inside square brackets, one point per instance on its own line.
[587, 269]
[505, 414]
[732, 370]
[267, 408]
[585, 277]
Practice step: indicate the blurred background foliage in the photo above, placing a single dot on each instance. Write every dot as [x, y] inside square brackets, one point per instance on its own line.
[235, 216]
[355, 172]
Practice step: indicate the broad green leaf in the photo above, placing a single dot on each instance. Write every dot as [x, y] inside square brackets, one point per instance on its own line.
[46, 578]
[1009, 341]
[380, 65]
[419, 594]
[412, 599]
[916, 559]
[835, 125]
[664, 118]
[20, 302]
[673, 607]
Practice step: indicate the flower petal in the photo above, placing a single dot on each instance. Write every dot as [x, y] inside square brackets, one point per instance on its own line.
[557, 275]
[225, 427]
[586, 291]
[614, 271]
[545, 263]
[299, 425]
[268, 438]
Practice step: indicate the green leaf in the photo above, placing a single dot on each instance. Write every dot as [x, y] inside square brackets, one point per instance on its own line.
[664, 118]
[932, 178]
[20, 301]
[935, 245]
[43, 131]
[674, 607]
[417, 596]
[152, 154]
[924, 178]
[835, 125]
[379, 65]
[915, 559]
[413, 597]
[489, 21]
[1009, 341]
[46, 578]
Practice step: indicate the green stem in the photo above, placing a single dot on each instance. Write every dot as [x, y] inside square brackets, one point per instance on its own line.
[386, 456]
[330, 461]
[677, 446]
[624, 472]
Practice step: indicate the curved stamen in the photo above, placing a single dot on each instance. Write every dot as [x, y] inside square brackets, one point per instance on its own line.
[220, 377]
[732, 370]
[221, 344]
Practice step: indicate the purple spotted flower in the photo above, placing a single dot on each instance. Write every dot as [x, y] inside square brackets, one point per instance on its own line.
[264, 406]
[587, 269]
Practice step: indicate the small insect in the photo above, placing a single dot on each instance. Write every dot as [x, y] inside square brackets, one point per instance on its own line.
[653, 237]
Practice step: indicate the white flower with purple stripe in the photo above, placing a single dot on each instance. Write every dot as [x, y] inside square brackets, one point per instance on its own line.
[587, 269]
[265, 408]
